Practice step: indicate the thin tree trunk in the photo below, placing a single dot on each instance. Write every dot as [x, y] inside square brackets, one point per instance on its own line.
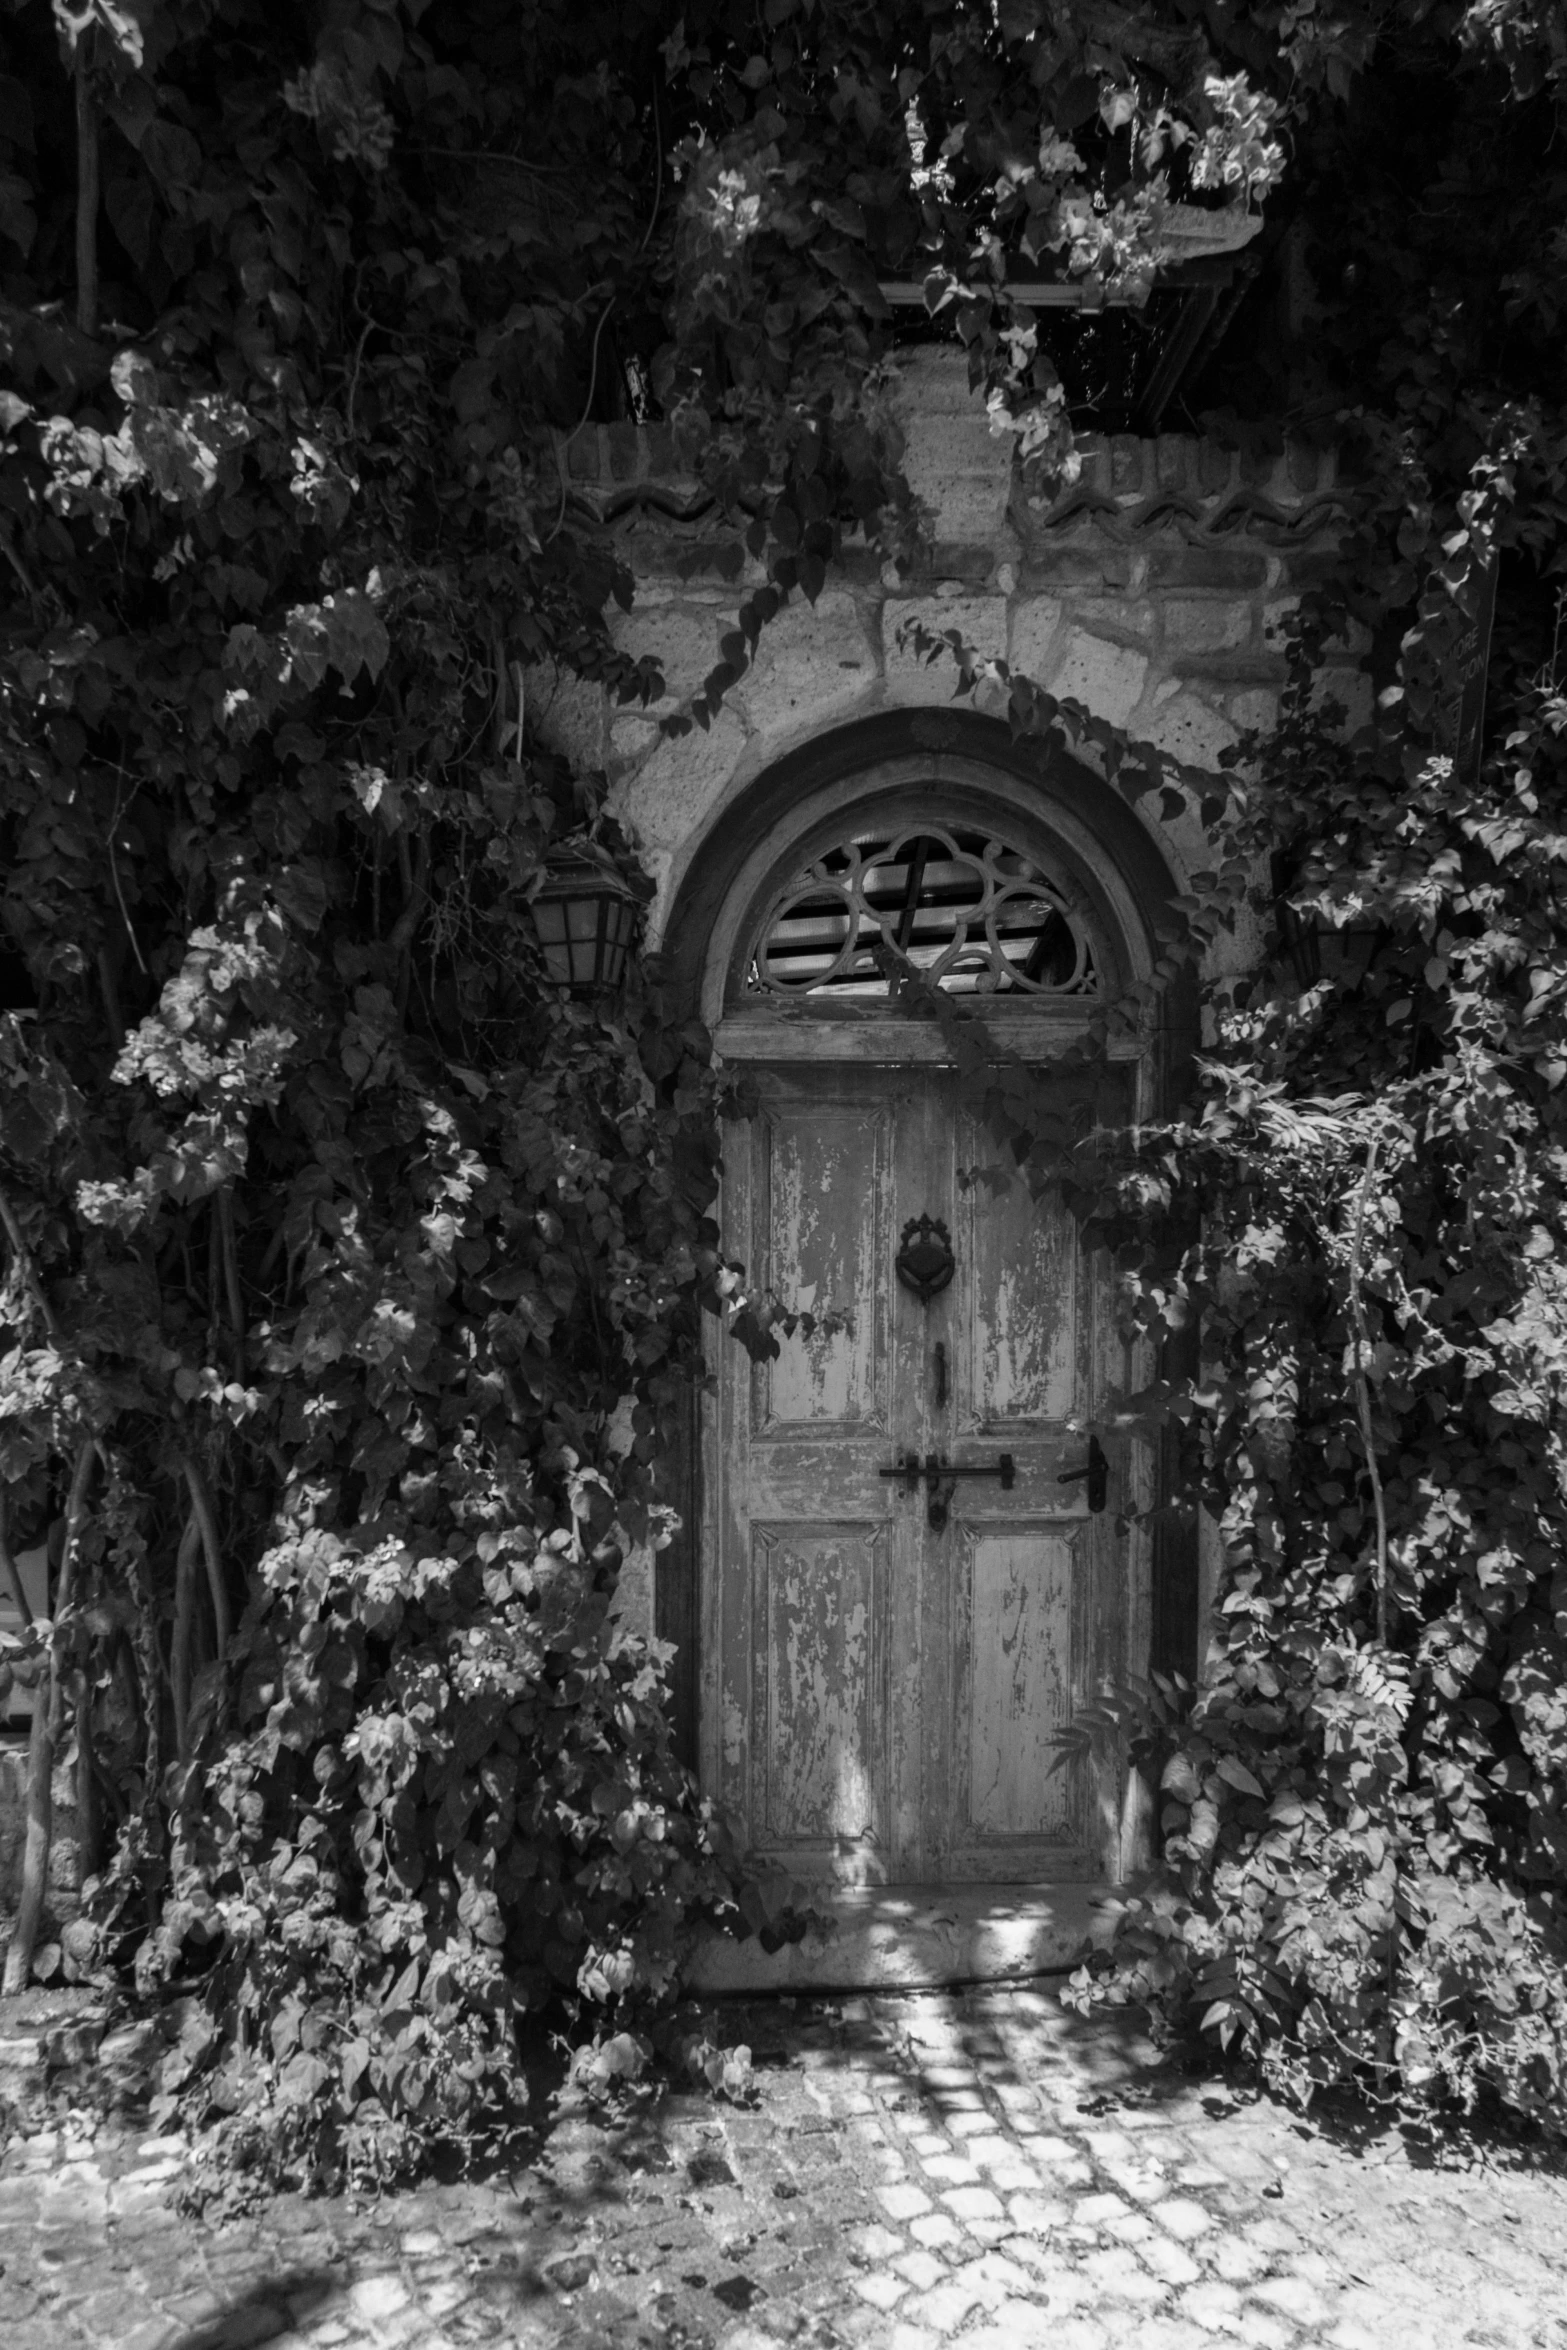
[184, 1630]
[112, 1008]
[86, 1454]
[416, 877]
[214, 1276]
[11, 1571]
[86, 196]
[230, 1254]
[146, 1677]
[40, 1835]
[35, 1288]
[201, 1503]
[41, 1742]
[89, 1811]
[1363, 1389]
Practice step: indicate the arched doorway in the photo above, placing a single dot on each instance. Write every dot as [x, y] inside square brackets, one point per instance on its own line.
[881, 1656]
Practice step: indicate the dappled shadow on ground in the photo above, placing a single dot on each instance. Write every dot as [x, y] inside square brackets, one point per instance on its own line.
[43, 2006]
[262, 2311]
[656, 2222]
[1096, 2063]
[1097, 2067]
[1490, 2139]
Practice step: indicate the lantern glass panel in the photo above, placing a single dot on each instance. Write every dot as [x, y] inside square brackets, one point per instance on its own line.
[584, 934]
[549, 920]
[1345, 955]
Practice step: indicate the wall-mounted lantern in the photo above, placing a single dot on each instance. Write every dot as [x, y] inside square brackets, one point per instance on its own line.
[585, 914]
[1344, 955]
[1321, 950]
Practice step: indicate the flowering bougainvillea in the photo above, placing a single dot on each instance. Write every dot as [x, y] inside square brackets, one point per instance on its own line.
[352, 1273]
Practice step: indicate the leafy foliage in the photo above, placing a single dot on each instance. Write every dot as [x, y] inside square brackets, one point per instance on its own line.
[471, 1746]
[353, 1272]
[1359, 1223]
[352, 1275]
[1365, 1813]
[1362, 1811]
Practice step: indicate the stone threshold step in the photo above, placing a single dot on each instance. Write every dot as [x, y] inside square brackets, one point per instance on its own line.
[915, 1937]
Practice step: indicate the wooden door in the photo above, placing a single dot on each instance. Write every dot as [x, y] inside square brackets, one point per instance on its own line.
[881, 1695]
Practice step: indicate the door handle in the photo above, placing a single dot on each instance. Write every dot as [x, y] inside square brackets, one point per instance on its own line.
[1096, 1476]
[941, 1374]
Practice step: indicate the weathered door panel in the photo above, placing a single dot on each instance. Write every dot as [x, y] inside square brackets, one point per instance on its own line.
[1029, 1600]
[819, 1680]
[810, 1560]
[889, 1694]
[1026, 1331]
[1014, 1648]
[819, 1234]
[1017, 1626]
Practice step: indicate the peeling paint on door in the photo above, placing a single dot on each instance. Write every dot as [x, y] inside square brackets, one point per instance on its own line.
[1023, 1293]
[822, 1732]
[822, 1175]
[1020, 1683]
[901, 1688]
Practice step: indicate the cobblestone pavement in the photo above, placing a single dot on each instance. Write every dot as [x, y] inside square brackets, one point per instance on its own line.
[976, 2169]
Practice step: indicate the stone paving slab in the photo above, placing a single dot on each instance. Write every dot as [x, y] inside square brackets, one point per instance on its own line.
[978, 2169]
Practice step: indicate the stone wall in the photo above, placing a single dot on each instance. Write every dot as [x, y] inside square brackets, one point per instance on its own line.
[1152, 590]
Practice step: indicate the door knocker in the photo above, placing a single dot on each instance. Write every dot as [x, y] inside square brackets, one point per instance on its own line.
[925, 1262]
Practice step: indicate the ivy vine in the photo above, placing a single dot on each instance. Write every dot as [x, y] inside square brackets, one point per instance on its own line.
[352, 1274]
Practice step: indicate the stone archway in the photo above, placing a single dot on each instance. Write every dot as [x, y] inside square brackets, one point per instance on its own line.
[880, 1661]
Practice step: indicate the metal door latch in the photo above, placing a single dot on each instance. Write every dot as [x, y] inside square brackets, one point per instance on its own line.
[908, 1469]
[941, 1478]
[1096, 1476]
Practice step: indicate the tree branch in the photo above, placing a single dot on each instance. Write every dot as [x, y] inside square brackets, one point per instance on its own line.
[125, 916]
[201, 1503]
[13, 1233]
[86, 1454]
[39, 1837]
[1362, 1385]
[89, 1811]
[10, 1569]
[41, 1742]
[17, 565]
[230, 1255]
[86, 196]
[111, 998]
[184, 1629]
[401, 939]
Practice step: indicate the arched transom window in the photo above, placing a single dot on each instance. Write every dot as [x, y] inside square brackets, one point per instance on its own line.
[974, 914]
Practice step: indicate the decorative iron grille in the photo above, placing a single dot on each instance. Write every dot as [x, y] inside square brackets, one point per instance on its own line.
[975, 916]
